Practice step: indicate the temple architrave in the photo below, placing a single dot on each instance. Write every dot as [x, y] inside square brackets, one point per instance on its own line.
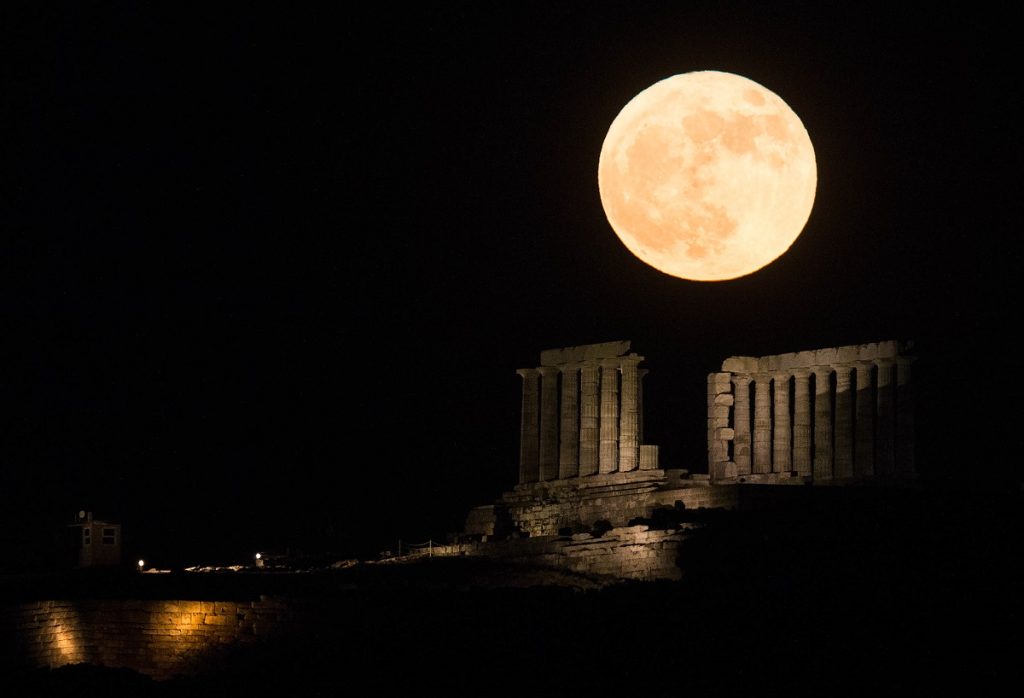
[829, 417]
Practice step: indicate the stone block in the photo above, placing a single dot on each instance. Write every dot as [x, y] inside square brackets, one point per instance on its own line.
[803, 359]
[724, 399]
[725, 434]
[867, 352]
[888, 350]
[723, 470]
[585, 352]
[847, 354]
[740, 364]
[214, 619]
[825, 357]
[720, 382]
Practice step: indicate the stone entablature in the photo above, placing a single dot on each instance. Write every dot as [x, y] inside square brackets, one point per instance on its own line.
[816, 358]
[857, 421]
[582, 414]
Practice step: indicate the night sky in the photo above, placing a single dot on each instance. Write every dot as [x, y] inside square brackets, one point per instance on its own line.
[267, 273]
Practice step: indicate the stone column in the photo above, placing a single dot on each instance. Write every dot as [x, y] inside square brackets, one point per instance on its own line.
[588, 419]
[569, 439]
[864, 451]
[741, 424]
[608, 460]
[720, 402]
[823, 424]
[783, 434]
[548, 423]
[648, 457]
[904, 418]
[885, 456]
[629, 441]
[843, 465]
[762, 424]
[640, 403]
[529, 458]
[802, 421]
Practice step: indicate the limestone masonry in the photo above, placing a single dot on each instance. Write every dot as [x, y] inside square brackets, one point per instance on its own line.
[155, 637]
[838, 414]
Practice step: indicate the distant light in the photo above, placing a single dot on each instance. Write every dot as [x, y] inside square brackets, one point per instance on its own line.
[142, 563]
[259, 556]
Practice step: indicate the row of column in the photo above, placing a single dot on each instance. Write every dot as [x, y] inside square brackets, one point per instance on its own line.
[582, 419]
[863, 437]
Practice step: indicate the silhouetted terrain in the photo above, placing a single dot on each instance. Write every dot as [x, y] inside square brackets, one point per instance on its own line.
[905, 593]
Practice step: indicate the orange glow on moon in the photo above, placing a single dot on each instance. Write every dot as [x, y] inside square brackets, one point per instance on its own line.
[707, 176]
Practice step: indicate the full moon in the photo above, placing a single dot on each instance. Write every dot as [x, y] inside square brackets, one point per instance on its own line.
[707, 176]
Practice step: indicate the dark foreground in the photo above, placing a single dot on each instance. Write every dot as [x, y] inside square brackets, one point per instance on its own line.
[917, 597]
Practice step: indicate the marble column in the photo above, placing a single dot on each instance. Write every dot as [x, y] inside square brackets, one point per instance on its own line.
[608, 459]
[648, 457]
[885, 455]
[762, 424]
[843, 464]
[569, 438]
[823, 424]
[529, 458]
[588, 419]
[864, 450]
[802, 422]
[640, 403]
[741, 424]
[548, 423]
[720, 432]
[629, 441]
[904, 418]
[783, 434]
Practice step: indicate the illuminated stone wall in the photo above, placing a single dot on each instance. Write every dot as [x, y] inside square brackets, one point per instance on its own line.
[633, 552]
[154, 637]
[543, 509]
[546, 509]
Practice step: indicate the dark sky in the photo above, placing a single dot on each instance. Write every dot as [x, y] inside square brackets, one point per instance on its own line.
[267, 273]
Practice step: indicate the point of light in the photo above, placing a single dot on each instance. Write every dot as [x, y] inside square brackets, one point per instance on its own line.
[259, 556]
[141, 563]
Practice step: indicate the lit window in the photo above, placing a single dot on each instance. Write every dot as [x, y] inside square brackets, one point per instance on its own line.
[108, 536]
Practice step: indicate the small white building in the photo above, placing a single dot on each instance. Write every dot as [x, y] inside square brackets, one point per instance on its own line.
[99, 542]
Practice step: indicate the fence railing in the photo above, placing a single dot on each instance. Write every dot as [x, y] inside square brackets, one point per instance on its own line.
[425, 548]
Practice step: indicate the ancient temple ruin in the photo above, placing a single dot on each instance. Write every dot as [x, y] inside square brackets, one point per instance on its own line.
[583, 414]
[839, 416]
